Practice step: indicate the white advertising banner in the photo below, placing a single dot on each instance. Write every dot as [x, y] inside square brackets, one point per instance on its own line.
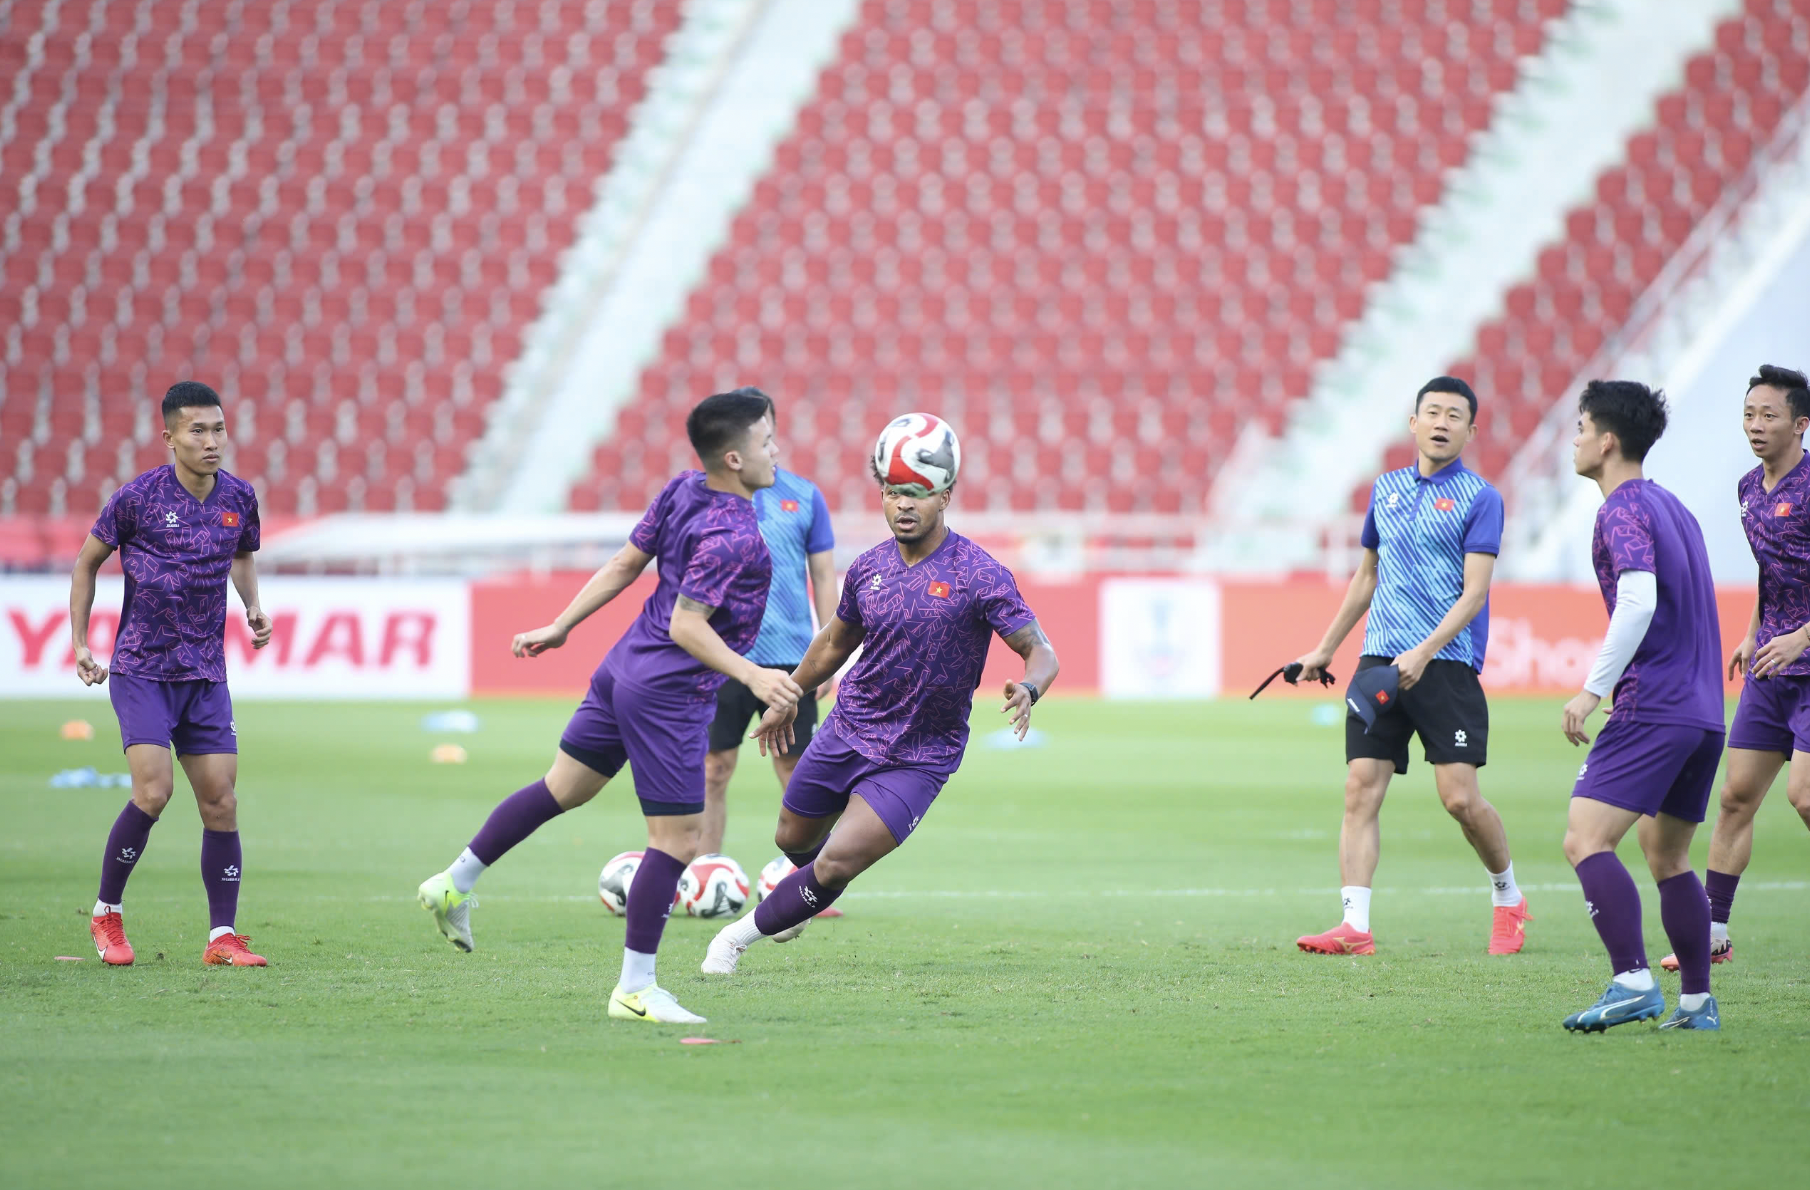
[1159, 638]
[333, 638]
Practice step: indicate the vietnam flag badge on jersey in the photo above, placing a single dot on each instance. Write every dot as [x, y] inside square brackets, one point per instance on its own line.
[940, 590]
[230, 519]
[1445, 504]
[788, 506]
[1783, 509]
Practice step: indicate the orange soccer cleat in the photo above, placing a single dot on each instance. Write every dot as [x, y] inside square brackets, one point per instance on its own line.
[832, 911]
[1719, 952]
[1508, 933]
[109, 934]
[1341, 939]
[231, 950]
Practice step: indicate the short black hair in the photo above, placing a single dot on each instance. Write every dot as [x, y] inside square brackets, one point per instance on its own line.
[1634, 413]
[1447, 384]
[716, 425]
[1793, 384]
[188, 394]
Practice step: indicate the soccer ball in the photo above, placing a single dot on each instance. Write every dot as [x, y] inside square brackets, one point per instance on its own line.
[613, 882]
[713, 886]
[777, 869]
[918, 454]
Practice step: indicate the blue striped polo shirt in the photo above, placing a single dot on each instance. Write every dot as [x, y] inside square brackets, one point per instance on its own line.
[796, 523]
[1421, 527]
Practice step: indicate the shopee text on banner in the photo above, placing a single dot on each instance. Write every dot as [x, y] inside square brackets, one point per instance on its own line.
[332, 638]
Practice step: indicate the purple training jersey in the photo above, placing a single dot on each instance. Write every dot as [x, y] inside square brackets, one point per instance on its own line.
[709, 548]
[1778, 530]
[907, 699]
[1676, 674]
[177, 553]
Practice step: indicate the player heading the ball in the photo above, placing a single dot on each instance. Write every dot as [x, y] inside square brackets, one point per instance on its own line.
[651, 701]
[182, 531]
[1430, 542]
[1655, 759]
[922, 609]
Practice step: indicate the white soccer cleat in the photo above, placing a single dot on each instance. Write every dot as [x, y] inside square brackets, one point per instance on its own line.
[724, 952]
[450, 907]
[654, 1004]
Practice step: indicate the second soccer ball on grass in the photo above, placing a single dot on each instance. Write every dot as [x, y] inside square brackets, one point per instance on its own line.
[713, 886]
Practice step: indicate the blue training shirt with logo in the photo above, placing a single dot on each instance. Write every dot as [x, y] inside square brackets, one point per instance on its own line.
[796, 523]
[1421, 527]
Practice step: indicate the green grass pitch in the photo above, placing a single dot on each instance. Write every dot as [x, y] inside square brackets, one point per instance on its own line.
[1080, 971]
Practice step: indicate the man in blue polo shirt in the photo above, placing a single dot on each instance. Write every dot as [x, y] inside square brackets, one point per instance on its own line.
[795, 522]
[1430, 542]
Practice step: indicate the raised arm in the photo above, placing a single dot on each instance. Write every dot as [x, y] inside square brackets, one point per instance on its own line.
[1040, 669]
[1358, 594]
[81, 606]
[1478, 570]
[822, 565]
[245, 582]
[611, 580]
[691, 631]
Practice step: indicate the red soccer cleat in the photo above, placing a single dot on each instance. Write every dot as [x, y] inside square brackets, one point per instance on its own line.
[1341, 939]
[1723, 953]
[832, 911]
[1508, 933]
[109, 934]
[231, 950]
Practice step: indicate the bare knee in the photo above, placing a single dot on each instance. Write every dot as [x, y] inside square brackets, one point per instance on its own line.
[796, 834]
[836, 871]
[1580, 846]
[153, 795]
[219, 810]
[1739, 804]
[1800, 800]
[679, 836]
[718, 768]
[1364, 794]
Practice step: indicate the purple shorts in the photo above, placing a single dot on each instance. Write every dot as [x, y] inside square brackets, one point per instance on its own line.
[1652, 768]
[195, 715]
[662, 736]
[1772, 716]
[830, 771]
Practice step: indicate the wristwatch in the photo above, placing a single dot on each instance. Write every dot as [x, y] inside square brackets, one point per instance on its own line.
[1032, 687]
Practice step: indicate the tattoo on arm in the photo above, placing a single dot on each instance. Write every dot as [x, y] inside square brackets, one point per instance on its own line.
[1027, 638]
[692, 605]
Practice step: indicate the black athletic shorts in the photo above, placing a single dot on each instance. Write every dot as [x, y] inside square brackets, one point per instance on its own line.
[737, 710]
[1446, 707]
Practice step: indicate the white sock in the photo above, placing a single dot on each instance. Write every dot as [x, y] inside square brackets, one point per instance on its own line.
[465, 871]
[1503, 891]
[1693, 1001]
[1357, 907]
[1718, 932]
[101, 909]
[1637, 981]
[637, 971]
[218, 932]
[744, 932]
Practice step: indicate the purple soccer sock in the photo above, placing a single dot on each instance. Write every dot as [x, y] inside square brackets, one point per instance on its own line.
[799, 897]
[515, 818]
[1684, 910]
[220, 862]
[650, 900]
[1614, 905]
[1721, 889]
[125, 845]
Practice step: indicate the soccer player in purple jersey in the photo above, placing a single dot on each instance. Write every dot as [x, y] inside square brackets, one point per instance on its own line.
[922, 608]
[182, 530]
[1655, 759]
[652, 699]
[1772, 721]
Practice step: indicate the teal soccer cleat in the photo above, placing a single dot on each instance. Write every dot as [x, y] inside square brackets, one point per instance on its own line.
[1618, 1006]
[1707, 1017]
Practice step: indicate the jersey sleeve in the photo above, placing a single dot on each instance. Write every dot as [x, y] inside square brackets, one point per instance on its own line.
[821, 535]
[1627, 538]
[847, 609]
[646, 534]
[716, 562]
[1370, 539]
[1483, 525]
[118, 519]
[251, 534]
[996, 593]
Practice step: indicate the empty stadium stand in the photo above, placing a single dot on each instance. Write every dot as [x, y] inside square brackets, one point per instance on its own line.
[342, 213]
[1107, 230]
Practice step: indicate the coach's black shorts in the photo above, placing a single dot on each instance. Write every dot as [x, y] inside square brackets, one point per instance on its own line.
[1446, 707]
[737, 709]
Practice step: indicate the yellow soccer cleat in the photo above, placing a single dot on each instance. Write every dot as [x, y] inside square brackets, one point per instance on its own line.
[653, 1004]
[450, 907]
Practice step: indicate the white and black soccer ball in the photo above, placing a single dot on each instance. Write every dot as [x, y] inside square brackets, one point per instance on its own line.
[614, 881]
[919, 454]
[777, 869]
[713, 886]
